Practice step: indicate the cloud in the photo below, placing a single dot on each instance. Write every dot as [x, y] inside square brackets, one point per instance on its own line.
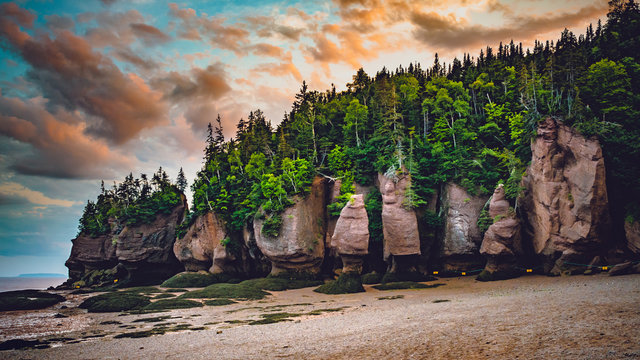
[212, 28]
[280, 69]
[58, 22]
[61, 148]
[451, 33]
[209, 83]
[34, 197]
[264, 49]
[266, 26]
[71, 74]
[148, 34]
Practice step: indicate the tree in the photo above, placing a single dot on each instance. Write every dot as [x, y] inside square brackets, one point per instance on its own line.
[181, 181]
[355, 120]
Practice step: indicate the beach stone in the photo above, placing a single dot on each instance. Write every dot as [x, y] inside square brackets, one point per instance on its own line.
[565, 197]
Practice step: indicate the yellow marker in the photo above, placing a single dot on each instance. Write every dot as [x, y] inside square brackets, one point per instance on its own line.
[115, 280]
[435, 273]
[529, 270]
[77, 286]
[464, 273]
[605, 268]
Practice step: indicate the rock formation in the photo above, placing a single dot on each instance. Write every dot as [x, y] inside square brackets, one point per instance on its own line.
[462, 237]
[351, 235]
[195, 249]
[565, 198]
[399, 224]
[141, 253]
[299, 246]
[201, 248]
[632, 232]
[501, 241]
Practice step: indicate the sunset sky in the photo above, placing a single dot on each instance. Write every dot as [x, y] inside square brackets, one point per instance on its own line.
[96, 89]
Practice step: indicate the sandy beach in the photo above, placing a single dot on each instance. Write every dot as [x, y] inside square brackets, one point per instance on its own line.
[533, 317]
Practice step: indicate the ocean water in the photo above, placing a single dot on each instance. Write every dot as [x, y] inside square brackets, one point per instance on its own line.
[22, 283]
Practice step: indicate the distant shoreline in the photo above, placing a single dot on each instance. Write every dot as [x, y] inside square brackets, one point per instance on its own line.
[30, 282]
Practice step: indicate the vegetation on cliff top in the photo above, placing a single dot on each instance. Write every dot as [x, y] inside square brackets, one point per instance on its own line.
[470, 121]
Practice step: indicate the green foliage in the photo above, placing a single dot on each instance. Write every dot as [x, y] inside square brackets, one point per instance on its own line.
[347, 283]
[115, 302]
[484, 220]
[271, 225]
[373, 205]
[132, 202]
[27, 300]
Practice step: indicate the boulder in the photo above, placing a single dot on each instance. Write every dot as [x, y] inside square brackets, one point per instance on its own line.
[351, 234]
[501, 241]
[399, 224]
[625, 269]
[299, 245]
[565, 197]
[632, 232]
[462, 237]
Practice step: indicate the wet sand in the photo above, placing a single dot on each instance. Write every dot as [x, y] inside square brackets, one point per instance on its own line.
[533, 317]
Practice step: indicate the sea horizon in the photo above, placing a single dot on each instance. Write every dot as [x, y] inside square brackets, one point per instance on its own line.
[25, 282]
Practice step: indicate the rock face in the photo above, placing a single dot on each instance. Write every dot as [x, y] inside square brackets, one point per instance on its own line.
[299, 246]
[351, 234]
[195, 249]
[202, 248]
[632, 231]
[140, 253]
[400, 226]
[565, 197]
[462, 237]
[501, 241]
[88, 254]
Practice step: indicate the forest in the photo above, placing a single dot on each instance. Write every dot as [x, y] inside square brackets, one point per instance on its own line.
[470, 121]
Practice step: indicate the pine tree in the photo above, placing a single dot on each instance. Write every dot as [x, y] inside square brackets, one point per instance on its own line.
[181, 181]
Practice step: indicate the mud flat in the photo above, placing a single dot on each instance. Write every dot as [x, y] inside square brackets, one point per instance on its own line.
[532, 317]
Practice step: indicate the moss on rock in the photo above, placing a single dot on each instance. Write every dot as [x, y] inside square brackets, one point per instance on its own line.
[115, 302]
[347, 283]
[28, 300]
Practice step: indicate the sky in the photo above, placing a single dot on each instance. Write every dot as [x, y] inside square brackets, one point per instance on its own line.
[92, 90]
